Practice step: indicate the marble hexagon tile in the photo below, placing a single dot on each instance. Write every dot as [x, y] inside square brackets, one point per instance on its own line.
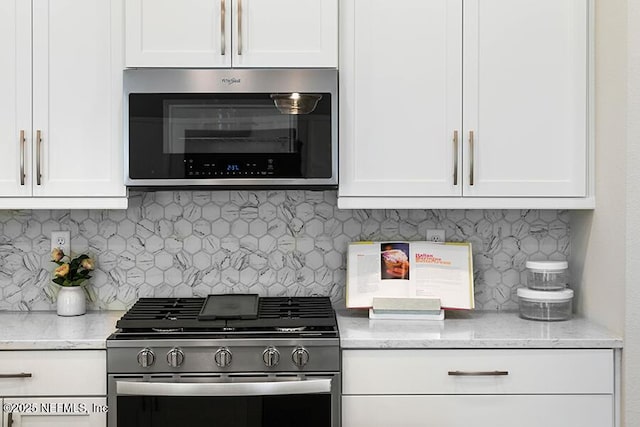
[183, 244]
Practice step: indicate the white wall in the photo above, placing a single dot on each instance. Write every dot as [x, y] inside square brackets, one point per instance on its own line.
[631, 353]
[606, 249]
[598, 241]
[606, 242]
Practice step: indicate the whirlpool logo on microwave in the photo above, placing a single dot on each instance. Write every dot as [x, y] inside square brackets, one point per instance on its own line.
[230, 81]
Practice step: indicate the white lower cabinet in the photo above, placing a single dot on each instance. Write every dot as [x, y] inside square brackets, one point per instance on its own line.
[56, 412]
[485, 388]
[70, 386]
[479, 411]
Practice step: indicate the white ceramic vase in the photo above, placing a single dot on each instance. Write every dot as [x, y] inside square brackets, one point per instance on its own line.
[71, 301]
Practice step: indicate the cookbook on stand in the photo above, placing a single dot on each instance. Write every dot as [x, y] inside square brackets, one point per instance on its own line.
[410, 271]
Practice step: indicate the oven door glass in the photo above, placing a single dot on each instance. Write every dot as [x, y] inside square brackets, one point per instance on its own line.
[210, 404]
[239, 135]
[250, 411]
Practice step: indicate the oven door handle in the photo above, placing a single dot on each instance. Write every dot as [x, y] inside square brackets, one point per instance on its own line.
[132, 388]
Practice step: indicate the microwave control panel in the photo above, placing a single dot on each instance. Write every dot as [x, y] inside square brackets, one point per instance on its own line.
[267, 167]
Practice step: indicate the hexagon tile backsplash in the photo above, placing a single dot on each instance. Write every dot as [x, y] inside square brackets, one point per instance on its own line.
[182, 244]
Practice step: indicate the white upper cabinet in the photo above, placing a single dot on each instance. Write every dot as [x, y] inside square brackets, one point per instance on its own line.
[62, 120]
[399, 117]
[525, 97]
[185, 33]
[15, 101]
[77, 97]
[285, 33]
[238, 33]
[484, 105]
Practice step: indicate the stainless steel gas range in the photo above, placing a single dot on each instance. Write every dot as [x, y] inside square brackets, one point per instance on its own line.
[225, 360]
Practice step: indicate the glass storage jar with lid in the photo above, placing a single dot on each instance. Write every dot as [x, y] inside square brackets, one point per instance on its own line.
[547, 275]
[544, 305]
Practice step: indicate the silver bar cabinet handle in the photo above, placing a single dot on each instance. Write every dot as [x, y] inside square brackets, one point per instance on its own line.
[133, 388]
[20, 375]
[455, 157]
[239, 27]
[223, 29]
[22, 175]
[38, 157]
[471, 154]
[477, 373]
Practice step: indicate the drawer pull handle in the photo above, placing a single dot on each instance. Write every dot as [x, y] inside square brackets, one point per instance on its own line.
[20, 375]
[477, 373]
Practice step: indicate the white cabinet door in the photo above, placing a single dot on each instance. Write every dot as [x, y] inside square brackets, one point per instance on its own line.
[15, 99]
[238, 33]
[185, 33]
[285, 33]
[400, 98]
[56, 412]
[516, 96]
[479, 411]
[77, 98]
[525, 98]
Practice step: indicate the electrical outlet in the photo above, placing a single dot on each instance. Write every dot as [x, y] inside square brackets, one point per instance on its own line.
[436, 236]
[62, 240]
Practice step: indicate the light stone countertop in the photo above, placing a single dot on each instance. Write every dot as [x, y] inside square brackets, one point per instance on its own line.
[45, 330]
[480, 329]
[476, 329]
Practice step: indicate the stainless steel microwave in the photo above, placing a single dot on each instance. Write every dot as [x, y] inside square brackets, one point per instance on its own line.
[258, 128]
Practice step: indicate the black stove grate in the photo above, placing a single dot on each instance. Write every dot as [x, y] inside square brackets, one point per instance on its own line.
[165, 313]
[158, 315]
[294, 308]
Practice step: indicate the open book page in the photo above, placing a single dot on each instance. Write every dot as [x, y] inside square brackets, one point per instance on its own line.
[410, 270]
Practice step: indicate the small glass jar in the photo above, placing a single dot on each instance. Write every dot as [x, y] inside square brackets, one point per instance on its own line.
[545, 305]
[547, 275]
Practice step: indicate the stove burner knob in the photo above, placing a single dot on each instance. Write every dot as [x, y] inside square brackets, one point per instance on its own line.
[300, 356]
[175, 357]
[223, 357]
[271, 357]
[146, 357]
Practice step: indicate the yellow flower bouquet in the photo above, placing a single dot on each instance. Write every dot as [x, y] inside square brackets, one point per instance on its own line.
[72, 272]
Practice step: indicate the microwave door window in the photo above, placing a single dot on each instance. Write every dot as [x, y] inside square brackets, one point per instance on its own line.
[236, 135]
[228, 142]
[208, 127]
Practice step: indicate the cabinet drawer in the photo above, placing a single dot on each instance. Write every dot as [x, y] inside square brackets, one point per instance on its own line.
[484, 411]
[54, 373]
[433, 371]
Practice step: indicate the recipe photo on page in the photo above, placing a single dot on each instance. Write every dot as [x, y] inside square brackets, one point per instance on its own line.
[394, 261]
[410, 270]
